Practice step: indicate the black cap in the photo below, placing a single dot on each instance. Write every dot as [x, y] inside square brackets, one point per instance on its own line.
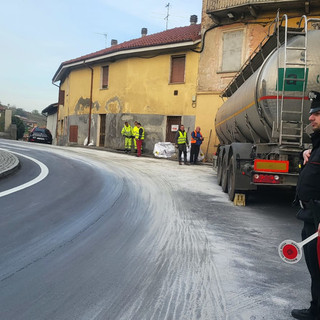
[314, 97]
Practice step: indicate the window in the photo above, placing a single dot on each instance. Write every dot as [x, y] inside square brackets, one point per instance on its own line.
[61, 98]
[105, 77]
[232, 51]
[178, 64]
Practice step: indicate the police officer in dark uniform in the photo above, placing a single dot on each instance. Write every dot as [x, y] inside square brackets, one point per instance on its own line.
[308, 195]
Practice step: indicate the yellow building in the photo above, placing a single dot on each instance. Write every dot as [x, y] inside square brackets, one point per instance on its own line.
[152, 79]
[232, 30]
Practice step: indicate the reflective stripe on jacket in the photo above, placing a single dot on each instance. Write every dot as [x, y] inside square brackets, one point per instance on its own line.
[182, 139]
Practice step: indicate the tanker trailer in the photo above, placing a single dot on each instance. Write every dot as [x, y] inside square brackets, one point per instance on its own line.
[261, 127]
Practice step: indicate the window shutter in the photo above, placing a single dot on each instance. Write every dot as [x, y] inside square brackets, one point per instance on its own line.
[61, 97]
[177, 69]
[105, 77]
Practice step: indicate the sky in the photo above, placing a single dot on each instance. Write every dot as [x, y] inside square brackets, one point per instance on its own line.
[36, 36]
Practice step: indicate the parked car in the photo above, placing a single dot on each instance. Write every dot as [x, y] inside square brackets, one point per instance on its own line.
[41, 135]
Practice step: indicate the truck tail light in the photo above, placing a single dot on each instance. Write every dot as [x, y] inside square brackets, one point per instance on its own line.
[266, 178]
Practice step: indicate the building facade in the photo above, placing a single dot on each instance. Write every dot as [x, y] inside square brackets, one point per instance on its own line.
[152, 80]
[232, 30]
[50, 113]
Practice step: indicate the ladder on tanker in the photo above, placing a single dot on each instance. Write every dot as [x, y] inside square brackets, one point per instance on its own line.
[292, 82]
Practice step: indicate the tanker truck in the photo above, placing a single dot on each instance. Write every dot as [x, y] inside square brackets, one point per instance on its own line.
[262, 127]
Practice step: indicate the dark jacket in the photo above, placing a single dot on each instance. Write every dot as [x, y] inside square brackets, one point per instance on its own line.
[308, 187]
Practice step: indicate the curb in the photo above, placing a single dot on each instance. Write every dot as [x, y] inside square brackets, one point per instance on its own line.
[9, 163]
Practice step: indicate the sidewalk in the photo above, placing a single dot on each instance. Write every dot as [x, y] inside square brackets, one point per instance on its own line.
[144, 155]
[8, 163]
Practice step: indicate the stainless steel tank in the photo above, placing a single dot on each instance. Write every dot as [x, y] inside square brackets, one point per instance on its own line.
[251, 114]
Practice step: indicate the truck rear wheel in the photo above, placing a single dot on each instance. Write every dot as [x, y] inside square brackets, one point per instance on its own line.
[231, 179]
[224, 173]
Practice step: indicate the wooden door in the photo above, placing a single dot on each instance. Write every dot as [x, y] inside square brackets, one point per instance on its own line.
[73, 134]
[102, 133]
[173, 124]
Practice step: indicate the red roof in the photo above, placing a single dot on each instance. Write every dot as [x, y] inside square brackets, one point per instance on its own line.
[176, 35]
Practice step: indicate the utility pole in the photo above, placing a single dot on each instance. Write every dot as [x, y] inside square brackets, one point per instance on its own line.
[167, 17]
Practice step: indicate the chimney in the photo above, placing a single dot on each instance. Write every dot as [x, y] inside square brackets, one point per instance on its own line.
[193, 19]
[144, 32]
[114, 42]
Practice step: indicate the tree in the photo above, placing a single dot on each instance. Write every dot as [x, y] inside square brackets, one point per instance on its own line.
[19, 112]
[20, 127]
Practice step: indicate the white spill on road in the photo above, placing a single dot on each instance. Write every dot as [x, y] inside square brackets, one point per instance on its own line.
[157, 241]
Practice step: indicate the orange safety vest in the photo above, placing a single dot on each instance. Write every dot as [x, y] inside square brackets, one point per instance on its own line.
[195, 134]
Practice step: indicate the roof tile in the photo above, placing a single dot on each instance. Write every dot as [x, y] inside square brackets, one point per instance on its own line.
[176, 35]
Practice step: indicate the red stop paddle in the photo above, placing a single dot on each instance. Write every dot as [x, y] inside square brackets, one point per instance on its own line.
[291, 251]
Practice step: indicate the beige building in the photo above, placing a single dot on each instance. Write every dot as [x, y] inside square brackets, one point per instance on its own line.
[151, 79]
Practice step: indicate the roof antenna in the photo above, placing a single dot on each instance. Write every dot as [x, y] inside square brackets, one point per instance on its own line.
[167, 16]
[105, 38]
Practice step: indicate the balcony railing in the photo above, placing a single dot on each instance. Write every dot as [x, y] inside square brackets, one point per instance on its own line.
[216, 5]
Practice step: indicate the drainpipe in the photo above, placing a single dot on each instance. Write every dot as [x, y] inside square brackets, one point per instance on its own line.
[90, 106]
[57, 114]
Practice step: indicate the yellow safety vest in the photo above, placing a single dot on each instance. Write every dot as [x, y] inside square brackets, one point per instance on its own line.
[182, 139]
[135, 130]
[126, 131]
[137, 133]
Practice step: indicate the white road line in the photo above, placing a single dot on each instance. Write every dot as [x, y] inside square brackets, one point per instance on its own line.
[44, 172]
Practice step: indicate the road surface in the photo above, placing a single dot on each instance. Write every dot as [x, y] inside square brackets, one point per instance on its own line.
[110, 236]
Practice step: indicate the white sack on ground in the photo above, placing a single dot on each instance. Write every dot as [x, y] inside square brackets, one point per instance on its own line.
[164, 150]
